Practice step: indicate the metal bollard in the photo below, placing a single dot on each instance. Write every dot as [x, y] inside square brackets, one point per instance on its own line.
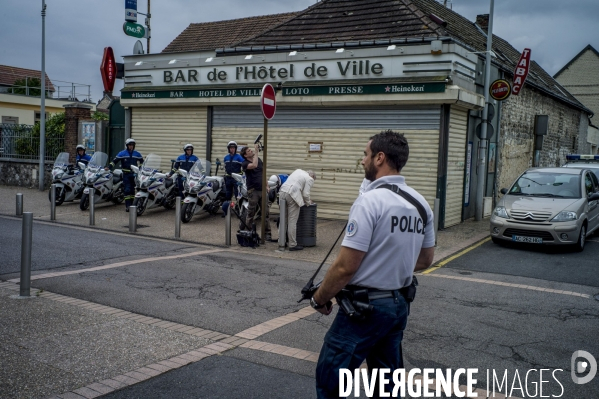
[26, 240]
[92, 208]
[436, 216]
[282, 223]
[132, 219]
[178, 218]
[19, 204]
[53, 202]
[228, 226]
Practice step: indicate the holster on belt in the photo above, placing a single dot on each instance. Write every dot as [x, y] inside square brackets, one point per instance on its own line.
[409, 292]
[354, 302]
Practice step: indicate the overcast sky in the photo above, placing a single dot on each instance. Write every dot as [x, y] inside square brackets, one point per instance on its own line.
[78, 30]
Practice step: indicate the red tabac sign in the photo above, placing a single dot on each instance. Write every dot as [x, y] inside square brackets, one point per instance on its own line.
[108, 69]
[500, 89]
[521, 71]
[268, 101]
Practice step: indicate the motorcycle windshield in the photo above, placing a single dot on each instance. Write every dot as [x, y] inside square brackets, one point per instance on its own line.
[62, 160]
[200, 169]
[151, 164]
[98, 160]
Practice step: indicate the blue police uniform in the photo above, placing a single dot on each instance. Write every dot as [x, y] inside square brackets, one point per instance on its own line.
[83, 159]
[391, 232]
[183, 162]
[232, 165]
[127, 159]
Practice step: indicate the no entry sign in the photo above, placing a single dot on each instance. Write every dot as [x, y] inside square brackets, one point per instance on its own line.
[268, 101]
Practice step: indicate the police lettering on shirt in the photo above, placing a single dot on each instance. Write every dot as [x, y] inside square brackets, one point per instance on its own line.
[410, 224]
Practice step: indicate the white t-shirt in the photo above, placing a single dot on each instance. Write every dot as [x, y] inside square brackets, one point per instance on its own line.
[390, 230]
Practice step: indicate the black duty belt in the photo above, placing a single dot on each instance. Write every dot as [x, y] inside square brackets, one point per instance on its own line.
[374, 293]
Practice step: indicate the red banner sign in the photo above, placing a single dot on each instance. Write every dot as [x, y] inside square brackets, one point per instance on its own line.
[108, 69]
[521, 71]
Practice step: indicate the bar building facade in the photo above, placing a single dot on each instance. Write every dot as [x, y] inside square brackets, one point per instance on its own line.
[344, 70]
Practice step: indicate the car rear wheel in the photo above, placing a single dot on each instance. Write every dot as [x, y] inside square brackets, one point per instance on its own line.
[579, 246]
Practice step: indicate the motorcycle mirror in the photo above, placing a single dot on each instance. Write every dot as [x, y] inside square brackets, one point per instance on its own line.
[258, 139]
[217, 161]
[81, 165]
[135, 168]
[183, 172]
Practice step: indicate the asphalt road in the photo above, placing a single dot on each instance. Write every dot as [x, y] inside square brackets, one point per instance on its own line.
[454, 322]
[551, 263]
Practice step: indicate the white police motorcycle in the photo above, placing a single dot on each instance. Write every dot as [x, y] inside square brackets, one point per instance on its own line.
[154, 188]
[203, 192]
[68, 180]
[100, 183]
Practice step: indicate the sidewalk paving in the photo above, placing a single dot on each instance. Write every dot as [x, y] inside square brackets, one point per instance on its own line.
[210, 229]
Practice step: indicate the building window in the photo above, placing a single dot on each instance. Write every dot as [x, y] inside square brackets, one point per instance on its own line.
[37, 116]
[10, 119]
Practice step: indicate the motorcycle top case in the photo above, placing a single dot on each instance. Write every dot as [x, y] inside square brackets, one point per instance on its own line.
[248, 238]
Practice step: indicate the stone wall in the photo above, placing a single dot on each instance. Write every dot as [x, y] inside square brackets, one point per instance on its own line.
[23, 173]
[516, 141]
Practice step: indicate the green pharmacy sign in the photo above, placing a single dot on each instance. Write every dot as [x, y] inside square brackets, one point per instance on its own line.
[135, 30]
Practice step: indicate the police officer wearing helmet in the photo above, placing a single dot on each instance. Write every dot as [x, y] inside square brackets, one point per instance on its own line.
[385, 242]
[127, 158]
[81, 156]
[233, 162]
[185, 161]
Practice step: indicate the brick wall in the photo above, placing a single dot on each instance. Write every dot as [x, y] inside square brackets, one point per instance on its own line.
[516, 141]
[74, 113]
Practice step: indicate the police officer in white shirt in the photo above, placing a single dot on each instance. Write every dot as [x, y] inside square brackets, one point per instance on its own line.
[386, 241]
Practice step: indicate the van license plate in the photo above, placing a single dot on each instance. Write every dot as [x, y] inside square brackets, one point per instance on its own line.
[530, 240]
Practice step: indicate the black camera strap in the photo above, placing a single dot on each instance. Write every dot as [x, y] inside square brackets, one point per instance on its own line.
[408, 198]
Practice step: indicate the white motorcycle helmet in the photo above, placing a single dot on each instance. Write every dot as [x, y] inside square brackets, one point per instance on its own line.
[273, 181]
[188, 146]
[130, 141]
[80, 147]
[231, 143]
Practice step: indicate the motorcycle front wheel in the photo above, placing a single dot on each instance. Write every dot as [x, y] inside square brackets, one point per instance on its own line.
[119, 196]
[84, 202]
[187, 212]
[60, 195]
[170, 201]
[140, 205]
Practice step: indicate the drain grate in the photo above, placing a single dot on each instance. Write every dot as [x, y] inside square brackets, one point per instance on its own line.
[465, 273]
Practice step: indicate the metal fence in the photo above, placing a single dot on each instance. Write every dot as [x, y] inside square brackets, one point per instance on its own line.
[23, 142]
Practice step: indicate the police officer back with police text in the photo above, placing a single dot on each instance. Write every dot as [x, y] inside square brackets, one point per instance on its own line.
[386, 241]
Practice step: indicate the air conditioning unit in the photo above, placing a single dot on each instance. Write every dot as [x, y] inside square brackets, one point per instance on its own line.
[487, 206]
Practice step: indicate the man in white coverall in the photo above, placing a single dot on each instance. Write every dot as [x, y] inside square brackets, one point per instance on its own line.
[296, 193]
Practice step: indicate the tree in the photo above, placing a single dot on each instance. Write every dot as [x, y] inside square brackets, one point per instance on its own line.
[99, 116]
[29, 142]
[33, 84]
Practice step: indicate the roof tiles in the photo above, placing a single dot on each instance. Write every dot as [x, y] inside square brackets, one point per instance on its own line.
[9, 74]
[213, 35]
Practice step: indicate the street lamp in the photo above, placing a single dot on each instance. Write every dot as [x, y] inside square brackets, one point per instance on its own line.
[43, 102]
